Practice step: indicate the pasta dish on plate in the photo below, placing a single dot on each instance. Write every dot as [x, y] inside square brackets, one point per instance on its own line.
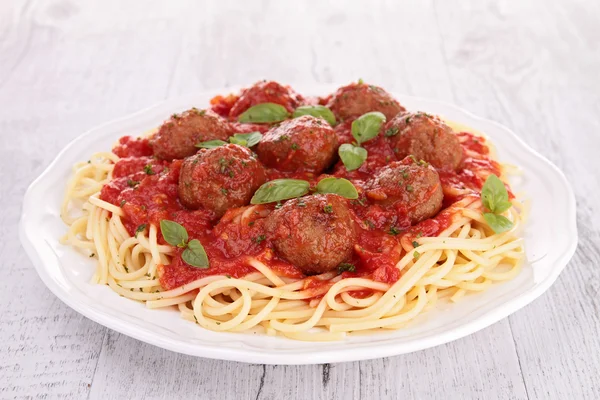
[313, 218]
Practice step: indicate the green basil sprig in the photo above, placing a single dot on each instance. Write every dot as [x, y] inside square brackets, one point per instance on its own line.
[280, 189]
[340, 186]
[176, 235]
[367, 126]
[264, 113]
[495, 199]
[352, 156]
[210, 144]
[246, 139]
[284, 189]
[364, 128]
[316, 111]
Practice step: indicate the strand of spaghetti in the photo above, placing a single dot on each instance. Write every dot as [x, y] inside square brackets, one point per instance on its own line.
[379, 323]
[99, 237]
[171, 301]
[503, 248]
[256, 319]
[266, 271]
[303, 326]
[76, 229]
[106, 205]
[164, 294]
[475, 286]
[503, 276]
[226, 308]
[137, 284]
[217, 325]
[361, 303]
[354, 283]
[438, 272]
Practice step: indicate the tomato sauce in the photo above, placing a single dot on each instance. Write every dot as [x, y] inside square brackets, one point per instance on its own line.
[146, 189]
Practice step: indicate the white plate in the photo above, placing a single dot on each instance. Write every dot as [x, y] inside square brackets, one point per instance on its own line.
[550, 243]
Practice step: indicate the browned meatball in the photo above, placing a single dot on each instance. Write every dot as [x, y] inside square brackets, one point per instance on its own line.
[220, 178]
[266, 92]
[412, 187]
[356, 99]
[315, 233]
[426, 137]
[178, 136]
[305, 143]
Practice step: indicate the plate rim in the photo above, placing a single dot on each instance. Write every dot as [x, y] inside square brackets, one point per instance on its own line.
[365, 350]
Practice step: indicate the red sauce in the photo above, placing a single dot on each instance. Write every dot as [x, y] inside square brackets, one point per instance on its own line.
[146, 189]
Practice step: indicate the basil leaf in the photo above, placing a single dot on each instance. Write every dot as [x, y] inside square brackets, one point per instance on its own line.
[246, 139]
[280, 189]
[210, 144]
[498, 223]
[502, 206]
[174, 234]
[367, 126]
[352, 156]
[195, 255]
[316, 111]
[264, 113]
[494, 195]
[340, 186]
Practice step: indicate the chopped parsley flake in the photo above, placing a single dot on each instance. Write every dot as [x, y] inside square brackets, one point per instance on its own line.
[139, 229]
[346, 267]
[394, 231]
[224, 191]
[259, 239]
[393, 131]
[409, 188]
[148, 169]
[328, 209]
[415, 243]
[416, 255]
[132, 183]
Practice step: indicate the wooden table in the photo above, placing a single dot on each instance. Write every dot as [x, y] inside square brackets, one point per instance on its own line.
[530, 65]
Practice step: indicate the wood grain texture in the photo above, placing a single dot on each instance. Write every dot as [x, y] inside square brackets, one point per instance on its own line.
[532, 66]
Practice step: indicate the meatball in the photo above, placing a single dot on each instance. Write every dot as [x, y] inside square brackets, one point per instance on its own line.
[356, 99]
[412, 187]
[304, 143]
[315, 233]
[178, 136]
[266, 92]
[220, 178]
[426, 137]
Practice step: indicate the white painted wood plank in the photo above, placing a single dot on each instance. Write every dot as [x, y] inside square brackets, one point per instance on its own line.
[67, 67]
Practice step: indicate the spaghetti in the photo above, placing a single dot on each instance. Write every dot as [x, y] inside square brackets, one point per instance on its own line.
[447, 256]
